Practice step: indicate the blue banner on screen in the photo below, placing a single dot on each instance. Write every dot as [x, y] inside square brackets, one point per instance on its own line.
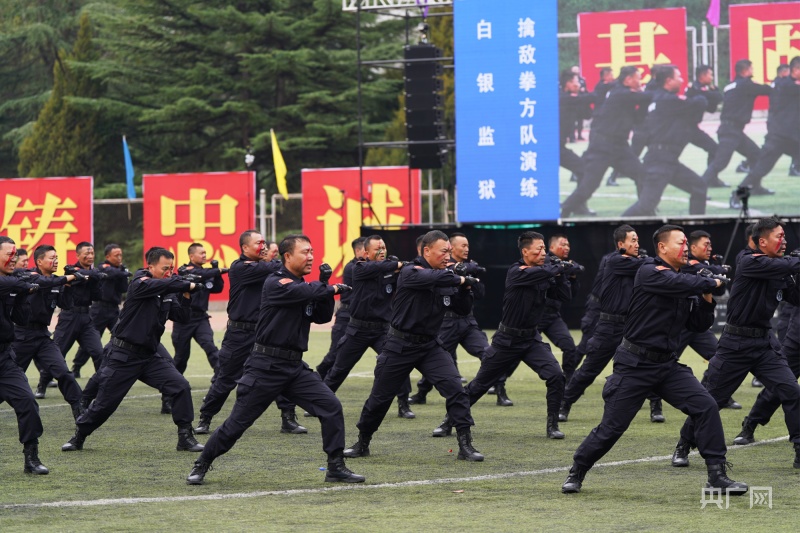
[506, 73]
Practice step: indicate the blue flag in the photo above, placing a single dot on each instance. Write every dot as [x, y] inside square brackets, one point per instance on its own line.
[128, 169]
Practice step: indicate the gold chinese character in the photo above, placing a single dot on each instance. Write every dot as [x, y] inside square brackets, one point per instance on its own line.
[785, 35]
[639, 51]
[48, 222]
[198, 223]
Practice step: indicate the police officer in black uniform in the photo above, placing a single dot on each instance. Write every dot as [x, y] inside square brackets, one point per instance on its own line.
[763, 278]
[14, 387]
[608, 140]
[737, 110]
[198, 327]
[246, 276]
[105, 311]
[591, 313]
[425, 289]
[154, 296]
[275, 366]
[374, 283]
[670, 124]
[665, 301]
[32, 341]
[571, 104]
[703, 85]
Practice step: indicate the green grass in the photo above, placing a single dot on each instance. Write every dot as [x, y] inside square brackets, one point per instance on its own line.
[133, 456]
[610, 202]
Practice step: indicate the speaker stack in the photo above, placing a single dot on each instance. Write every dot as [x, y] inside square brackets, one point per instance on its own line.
[424, 108]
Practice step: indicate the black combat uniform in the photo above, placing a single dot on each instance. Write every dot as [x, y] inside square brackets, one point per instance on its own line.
[340, 323]
[198, 327]
[713, 98]
[591, 312]
[571, 106]
[553, 325]
[275, 367]
[785, 316]
[133, 356]
[664, 303]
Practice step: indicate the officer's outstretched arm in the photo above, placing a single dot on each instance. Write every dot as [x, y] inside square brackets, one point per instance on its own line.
[145, 287]
[287, 291]
[662, 280]
[702, 316]
[760, 266]
[421, 278]
[180, 311]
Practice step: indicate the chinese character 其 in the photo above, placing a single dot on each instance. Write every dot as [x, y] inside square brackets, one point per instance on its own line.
[527, 80]
[526, 28]
[484, 30]
[526, 135]
[636, 48]
[197, 224]
[526, 54]
[527, 107]
[528, 161]
[485, 136]
[58, 225]
[486, 189]
[485, 82]
[528, 188]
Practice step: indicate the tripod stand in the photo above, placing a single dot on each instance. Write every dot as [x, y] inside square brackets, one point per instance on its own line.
[743, 195]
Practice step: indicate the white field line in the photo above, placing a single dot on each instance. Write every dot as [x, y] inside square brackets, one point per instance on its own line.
[137, 397]
[401, 484]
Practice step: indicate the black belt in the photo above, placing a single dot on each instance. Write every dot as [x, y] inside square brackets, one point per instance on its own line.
[418, 339]
[516, 332]
[755, 333]
[551, 302]
[280, 353]
[247, 326]
[101, 303]
[666, 147]
[368, 325]
[650, 355]
[593, 298]
[453, 314]
[197, 313]
[34, 326]
[617, 319]
[344, 306]
[79, 309]
[733, 123]
[137, 348]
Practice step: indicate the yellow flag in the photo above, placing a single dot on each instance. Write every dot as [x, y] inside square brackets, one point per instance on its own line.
[280, 166]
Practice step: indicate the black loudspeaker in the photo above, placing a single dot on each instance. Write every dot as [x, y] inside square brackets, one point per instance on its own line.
[424, 107]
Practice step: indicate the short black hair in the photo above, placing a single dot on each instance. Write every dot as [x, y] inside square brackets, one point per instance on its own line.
[554, 237]
[763, 227]
[371, 238]
[456, 234]
[110, 248]
[567, 76]
[358, 243]
[604, 71]
[22, 251]
[663, 232]
[432, 236]
[192, 247]
[781, 68]
[527, 238]
[155, 254]
[748, 233]
[700, 70]
[696, 235]
[288, 243]
[662, 73]
[626, 71]
[742, 65]
[795, 62]
[4, 239]
[621, 233]
[82, 245]
[245, 236]
[419, 244]
[41, 250]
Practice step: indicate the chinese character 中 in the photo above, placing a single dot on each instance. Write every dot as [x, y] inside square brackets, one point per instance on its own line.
[526, 54]
[527, 80]
[761, 496]
[484, 30]
[710, 496]
[485, 82]
[526, 28]
[486, 189]
[197, 223]
[528, 188]
[527, 107]
[636, 48]
[48, 222]
[526, 135]
[527, 161]
[485, 136]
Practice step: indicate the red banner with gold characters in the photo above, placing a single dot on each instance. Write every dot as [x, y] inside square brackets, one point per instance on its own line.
[54, 211]
[766, 34]
[335, 207]
[641, 38]
[210, 208]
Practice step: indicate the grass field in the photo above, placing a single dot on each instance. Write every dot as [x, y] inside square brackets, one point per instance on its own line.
[610, 202]
[130, 478]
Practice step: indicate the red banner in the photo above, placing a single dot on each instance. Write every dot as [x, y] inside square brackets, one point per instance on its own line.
[640, 38]
[208, 208]
[335, 208]
[54, 211]
[766, 34]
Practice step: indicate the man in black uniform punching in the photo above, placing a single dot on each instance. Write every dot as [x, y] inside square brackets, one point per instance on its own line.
[275, 365]
[32, 341]
[763, 278]
[703, 85]
[14, 387]
[608, 140]
[665, 301]
[425, 290]
[571, 105]
[591, 312]
[246, 275]
[374, 282]
[154, 296]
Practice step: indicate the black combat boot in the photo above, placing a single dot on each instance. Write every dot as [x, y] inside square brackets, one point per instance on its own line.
[656, 414]
[574, 480]
[360, 448]
[732, 404]
[41, 391]
[746, 435]
[76, 371]
[338, 473]
[186, 440]
[718, 479]
[445, 429]
[563, 412]
[289, 422]
[465, 449]
[403, 410]
[796, 455]
[201, 466]
[75, 443]
[32, 463]
[204, 426]
[420, 398]
[85, 403]
[78, 410]
[552, 427]
[166, 405]
[502, 397]
[680, 457]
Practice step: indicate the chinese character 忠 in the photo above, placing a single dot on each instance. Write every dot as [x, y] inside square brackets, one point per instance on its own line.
[486, 189]
[528, 161]
[527, 80]
[526, 28]
[526, 135]
[528, 188]
[484, 30]
[527, 107]
[485, 136]
[485, 82]
[526, 54]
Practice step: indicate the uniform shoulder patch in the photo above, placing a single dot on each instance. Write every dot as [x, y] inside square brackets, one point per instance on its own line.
[523, 267]
[758, 255]
[662, 267]
[284, 281]
[693, 261]
[419, 267]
